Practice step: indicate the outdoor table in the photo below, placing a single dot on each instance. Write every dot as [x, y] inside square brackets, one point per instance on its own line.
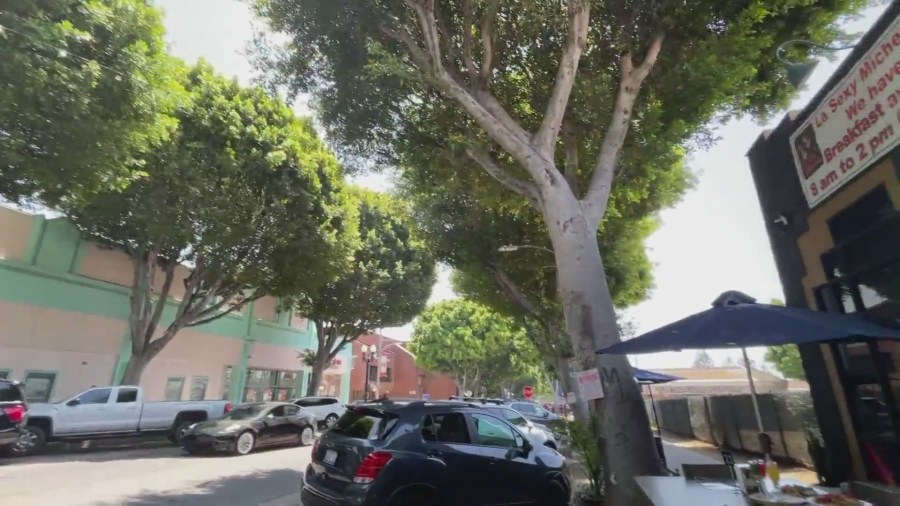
[677, 491]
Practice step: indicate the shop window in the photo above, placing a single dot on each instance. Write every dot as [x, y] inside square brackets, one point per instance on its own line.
[39, 386]
[174, 388]
[4, 373]
[198, 388]
[226, 383]
[265, 385]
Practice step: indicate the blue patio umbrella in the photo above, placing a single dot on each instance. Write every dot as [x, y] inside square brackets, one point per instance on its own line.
[650, 378]
[736, 320]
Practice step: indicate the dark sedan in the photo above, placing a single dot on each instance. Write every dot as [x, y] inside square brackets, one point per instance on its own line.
[251, 426]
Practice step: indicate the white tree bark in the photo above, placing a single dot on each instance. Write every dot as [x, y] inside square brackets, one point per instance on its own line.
[628, 448]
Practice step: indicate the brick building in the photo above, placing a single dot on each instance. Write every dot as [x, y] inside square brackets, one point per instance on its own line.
[395, 373]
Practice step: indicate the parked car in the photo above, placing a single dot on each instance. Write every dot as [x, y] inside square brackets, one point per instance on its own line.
[424, 453]
[251, 426]
[537, 434]
[13, 415]
[532, 411]
[326, 409]
[113, 412]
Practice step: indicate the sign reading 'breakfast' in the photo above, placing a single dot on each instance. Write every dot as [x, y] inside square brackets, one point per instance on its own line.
[856, 124]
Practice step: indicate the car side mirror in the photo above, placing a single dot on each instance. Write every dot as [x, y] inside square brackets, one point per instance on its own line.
[545, 414]
[73, 402]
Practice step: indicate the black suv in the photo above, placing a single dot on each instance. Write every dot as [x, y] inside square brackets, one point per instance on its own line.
[422, 453]
[13, 414]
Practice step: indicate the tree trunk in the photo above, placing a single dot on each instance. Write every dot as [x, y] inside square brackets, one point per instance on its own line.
[628, 448]
[580, 408]
[135, 369]
[315, 376]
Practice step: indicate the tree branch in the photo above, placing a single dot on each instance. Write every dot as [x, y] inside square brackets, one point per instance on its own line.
[630, 82]
[482, 107]
[511, 182]
[468, 44]
[570, 147]
[576, 38]
[162, 299]
[487, 42]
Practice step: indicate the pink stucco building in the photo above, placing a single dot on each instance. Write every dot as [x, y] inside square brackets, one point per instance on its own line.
[63, 327]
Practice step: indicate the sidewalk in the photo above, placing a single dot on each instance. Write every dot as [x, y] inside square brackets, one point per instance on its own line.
[680, 451]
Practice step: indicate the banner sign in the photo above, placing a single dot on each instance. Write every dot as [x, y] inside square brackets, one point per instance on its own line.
[856, 124]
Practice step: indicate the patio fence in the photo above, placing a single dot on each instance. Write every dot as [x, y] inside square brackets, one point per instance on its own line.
[729, 421]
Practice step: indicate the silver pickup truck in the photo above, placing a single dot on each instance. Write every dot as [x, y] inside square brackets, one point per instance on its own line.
[112, 412]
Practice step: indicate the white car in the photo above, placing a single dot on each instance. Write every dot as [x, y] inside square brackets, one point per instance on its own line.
[326, 409]
[536, 434]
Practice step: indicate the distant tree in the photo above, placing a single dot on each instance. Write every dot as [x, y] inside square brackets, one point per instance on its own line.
[729, 362]
[387, 284]
[243, 196]
[481, 349]
[786, 359]
[85, 88]
[702, 360]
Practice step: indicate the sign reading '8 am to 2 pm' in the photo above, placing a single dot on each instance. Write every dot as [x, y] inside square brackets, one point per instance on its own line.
[856, 124]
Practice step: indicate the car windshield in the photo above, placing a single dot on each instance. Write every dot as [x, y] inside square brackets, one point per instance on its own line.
[245, 412]
[514, 417]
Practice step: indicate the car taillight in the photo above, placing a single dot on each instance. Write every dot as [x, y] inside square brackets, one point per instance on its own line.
[227, 407]
[370, 467]
[15, 413]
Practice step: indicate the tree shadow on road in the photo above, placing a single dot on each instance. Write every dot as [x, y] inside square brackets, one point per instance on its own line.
[235, 490]
[55, 456]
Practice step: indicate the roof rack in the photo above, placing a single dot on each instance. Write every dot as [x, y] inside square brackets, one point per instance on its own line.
[477, 400]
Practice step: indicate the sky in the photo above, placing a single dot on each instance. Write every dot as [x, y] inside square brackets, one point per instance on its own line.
[714, 240]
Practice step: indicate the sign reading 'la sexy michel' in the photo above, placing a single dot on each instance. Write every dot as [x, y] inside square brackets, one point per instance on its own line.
[856, 124]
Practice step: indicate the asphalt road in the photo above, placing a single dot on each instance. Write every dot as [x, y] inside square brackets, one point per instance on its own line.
[152, 477]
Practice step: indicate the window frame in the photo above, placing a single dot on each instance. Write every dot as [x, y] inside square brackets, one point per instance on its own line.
[109, 392]
[180, 390]
[205, 388]
[127, 389]
[470, 427]
[512, 430]
[53, 384]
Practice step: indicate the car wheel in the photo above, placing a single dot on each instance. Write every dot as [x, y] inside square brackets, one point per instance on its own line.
[307, 436]
[31, 441]
[330, 420]
[244, 443]
[557, 494]
[415, 498]
[179, 432]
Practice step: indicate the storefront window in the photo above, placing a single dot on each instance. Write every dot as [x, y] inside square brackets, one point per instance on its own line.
[265, 385]
[863, 271]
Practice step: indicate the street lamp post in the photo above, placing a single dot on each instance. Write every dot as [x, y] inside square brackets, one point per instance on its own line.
[798, 73]
[368, 355]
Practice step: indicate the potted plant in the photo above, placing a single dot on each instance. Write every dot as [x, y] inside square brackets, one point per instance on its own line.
[586, 442]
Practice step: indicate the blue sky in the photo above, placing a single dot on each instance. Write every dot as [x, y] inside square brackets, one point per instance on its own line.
[712, 241]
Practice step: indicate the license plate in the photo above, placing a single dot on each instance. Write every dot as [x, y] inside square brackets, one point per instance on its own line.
[330, 457]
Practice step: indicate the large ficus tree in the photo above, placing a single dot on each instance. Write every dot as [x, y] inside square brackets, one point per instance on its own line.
[387, 283]
[521, 79]
[243, 197]
[85, 88]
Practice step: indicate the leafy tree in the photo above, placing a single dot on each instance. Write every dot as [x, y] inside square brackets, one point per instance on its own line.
[702, 360]
[480, 348]
[786, 360]
[518, 89]
[387, 284]
[244, 197]
[86, 87]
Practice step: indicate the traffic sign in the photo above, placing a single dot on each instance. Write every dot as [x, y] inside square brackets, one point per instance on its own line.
[528, 392]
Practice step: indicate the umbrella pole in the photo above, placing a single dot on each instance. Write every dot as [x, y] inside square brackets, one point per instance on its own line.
[764, 441]
[653, 406]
